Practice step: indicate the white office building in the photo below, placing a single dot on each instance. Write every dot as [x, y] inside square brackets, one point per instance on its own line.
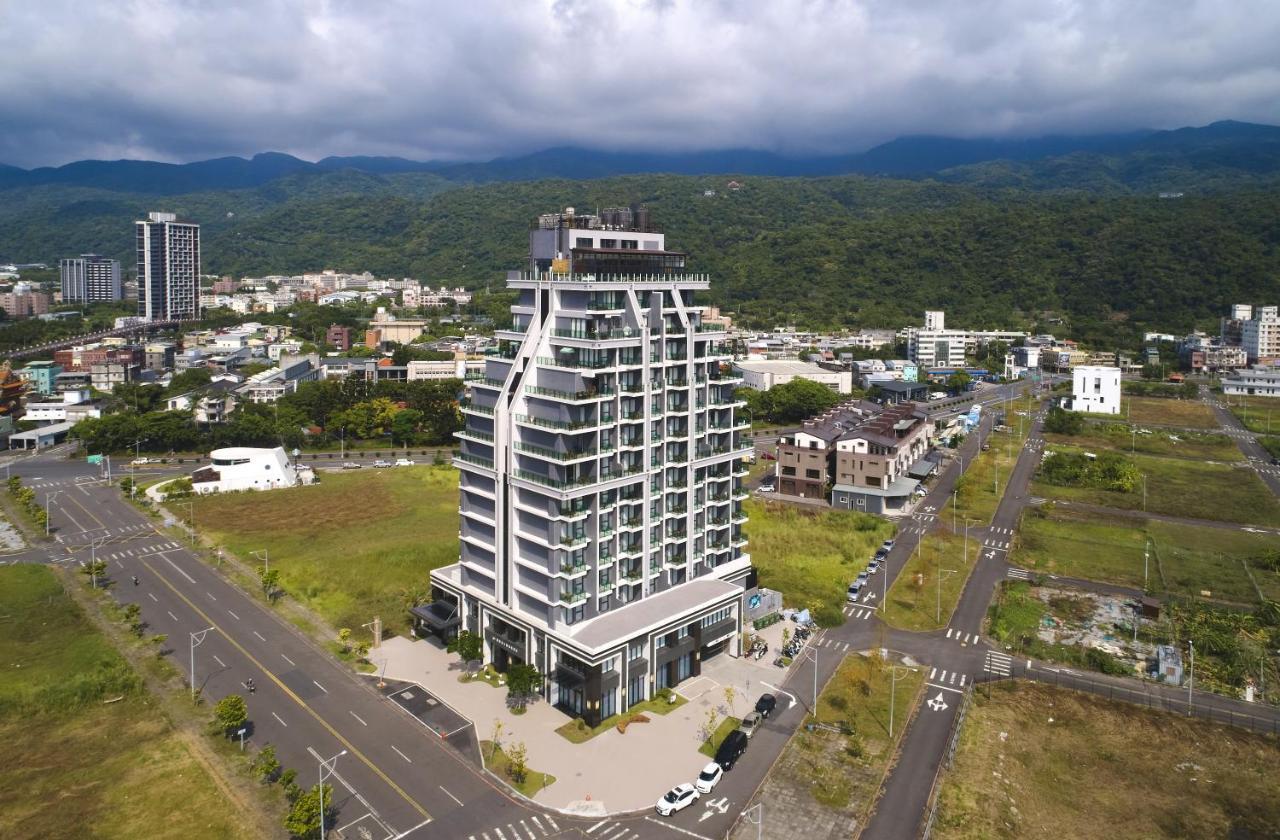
[168, 268]
[763, 374]
[601, 487]
[933, 345]
[244, 468]
[1095, 389]
[90, 278]
[1260, 336]
[1252, 382]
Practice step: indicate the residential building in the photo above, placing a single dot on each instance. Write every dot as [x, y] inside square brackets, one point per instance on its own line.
[82, 358]
[24, 304]
[763, 374]
[933, 345]
[1095, 389]
[75, 405]
[244, 468]
[1021, 361]
[397, 330]
[338, 336]
[105, 376]
[272, 384]
[1169, 664]
[444, 297]
[159, 355]
[880, 462]
[455, 369]
[899, 392]
[1255, 382]
[601, 520]
[42, 376]
[168, 268]
[1260, 336]
[805, 458]
[90, 278]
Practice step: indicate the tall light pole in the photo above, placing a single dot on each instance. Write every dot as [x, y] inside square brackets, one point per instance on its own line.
[265, 557]
[48, 497]
[758, 822]
[941, 572]
[1146, 562]
[331, 766]
[893, 690]
[196, 639]
[191, 504]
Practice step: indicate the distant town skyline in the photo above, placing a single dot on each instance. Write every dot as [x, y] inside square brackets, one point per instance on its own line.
[182, 81]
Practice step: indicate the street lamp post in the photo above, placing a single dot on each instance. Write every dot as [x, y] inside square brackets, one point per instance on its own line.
[893, 690]
[263, 555]
[330, 766]
[197, 639]
[191, 504]
[758, 822]
[1191, 679]
[1146, 562]
[48, 497]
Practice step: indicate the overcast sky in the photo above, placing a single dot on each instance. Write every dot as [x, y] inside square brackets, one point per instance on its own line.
[185, 80]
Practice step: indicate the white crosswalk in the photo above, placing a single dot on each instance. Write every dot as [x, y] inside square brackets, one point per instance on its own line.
[1000, 530]
[541, 825]
[998, 663]
[1018, 574]
[946, 677]
[962, 638]
[608, 830]
[832, 644]
[864, 613]
[998, 545]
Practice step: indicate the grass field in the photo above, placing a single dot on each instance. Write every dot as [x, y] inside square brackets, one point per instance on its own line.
[1035, 761]
[1258, 414]
[1075, 543]
[1161, 411]
[1198, 446]
[80, 766]
[496, 760]
[980, 489]
[811, 556]
[355, 545]
[840, 763]
[914, 598]
[1181, 487]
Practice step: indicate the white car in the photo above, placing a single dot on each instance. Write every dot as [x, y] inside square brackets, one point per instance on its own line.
[677, 799]
[381, 464]
[709, 778]
[404, 462]
[139, 462]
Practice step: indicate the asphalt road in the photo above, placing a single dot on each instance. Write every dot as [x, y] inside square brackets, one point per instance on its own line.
[1258, 457]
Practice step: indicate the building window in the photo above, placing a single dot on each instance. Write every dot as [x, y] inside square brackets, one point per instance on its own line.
[717, 616]
[635, 651]
[812, 474]
[682, 633]
[584, 242]
[660, 642]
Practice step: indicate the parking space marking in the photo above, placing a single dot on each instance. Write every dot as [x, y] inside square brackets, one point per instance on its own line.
[402, 755]
[282, 723]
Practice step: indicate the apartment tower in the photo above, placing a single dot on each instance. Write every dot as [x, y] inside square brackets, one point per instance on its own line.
[601, 474]
[90, 278]
[168, 268]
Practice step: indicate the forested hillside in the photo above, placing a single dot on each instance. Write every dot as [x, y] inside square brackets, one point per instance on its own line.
[1085, 238]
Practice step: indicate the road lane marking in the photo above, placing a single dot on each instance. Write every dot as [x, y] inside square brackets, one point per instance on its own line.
[945, 688]
[259, 635]
[597, 825]
[219, 661]
[352, 748]
[233, 615]
[153, 597]
[171, 615]
[178, 570]
[290, 661]
[451, 796]
[357, 717]
[319, 686]
[932, 672]
[282, 723]
[402, 755]
[210, 594]
[547, 817]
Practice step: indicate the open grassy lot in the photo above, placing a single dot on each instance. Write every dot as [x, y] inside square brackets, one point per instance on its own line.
[80, 765]
[1200, 446]
[1184, 559]
[497, 760]
[1162, 411]
[1258, 414]
[914, 598]
[811, 555]
[840, 763]
[355, 545]
[980, 489]
[1035, 761]
[1181, 487]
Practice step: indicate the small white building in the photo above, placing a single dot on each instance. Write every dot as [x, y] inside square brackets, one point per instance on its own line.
[245, 468]
[763, 374]
[1095, 389]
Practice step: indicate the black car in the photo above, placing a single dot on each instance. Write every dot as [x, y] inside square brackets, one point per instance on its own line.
[731, 749]
[765, 704]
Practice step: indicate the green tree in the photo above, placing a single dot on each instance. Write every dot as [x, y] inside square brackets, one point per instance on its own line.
[229, 715]
[523, 682]
[517, 762]
[94, 570]
[1061, 422]
[797, 400]
[265, 765]
[303, 819]
[469, 646]
[404, 426]
[270, 581]
[344, 639]
[958, 382]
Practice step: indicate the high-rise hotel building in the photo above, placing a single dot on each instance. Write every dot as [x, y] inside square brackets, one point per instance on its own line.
[168, 268]
[601, 475]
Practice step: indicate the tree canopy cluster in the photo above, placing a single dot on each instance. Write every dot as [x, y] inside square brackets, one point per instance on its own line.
[1103, 471]
[790, 402]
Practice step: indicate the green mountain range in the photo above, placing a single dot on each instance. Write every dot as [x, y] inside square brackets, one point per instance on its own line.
[1121, 234]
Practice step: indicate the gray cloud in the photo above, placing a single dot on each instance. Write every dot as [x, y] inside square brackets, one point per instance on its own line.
[191, 79]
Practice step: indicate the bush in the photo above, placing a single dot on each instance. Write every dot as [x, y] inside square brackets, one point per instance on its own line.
[1106, 471]
[771, 618]
[1062, 422]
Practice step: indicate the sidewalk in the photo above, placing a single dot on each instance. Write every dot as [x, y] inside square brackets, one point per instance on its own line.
[612, 772]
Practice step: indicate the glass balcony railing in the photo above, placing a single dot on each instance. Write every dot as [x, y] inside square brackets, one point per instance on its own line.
[487, 463]
[572, 597]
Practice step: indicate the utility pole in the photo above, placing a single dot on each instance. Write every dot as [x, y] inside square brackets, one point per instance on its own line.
[191, 503]
[330, 765]
[48, 497]
[196, 640]
[1146, 560]
[1191, 680]
[1144, 492]
[262, 555]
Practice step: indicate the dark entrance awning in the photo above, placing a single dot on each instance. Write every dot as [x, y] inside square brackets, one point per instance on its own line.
[441, 615]
[921, 469]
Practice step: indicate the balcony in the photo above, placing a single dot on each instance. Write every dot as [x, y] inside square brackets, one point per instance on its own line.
[572, 540]
[476, 409]
[573, 571]
[675, 562]
[473, 434]
[571, 363]
[572, 597]
[554, 455]
[547, 481]
[570, 396]
[475, 460]
[563, 425]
